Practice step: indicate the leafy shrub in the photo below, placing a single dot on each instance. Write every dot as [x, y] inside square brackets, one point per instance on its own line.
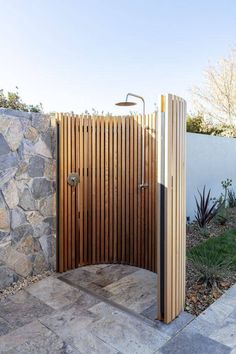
[206, 208]
[225, 185]
[210, 264]
[231, 199]
[197, 124]
[222, 215]
[13, 100]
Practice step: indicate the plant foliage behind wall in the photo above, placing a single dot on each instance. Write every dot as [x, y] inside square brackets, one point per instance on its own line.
[13, 100]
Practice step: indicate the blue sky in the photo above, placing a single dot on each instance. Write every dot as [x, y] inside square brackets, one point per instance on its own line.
[79, 54]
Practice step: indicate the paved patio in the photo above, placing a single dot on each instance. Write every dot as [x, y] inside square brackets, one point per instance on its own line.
[109, 309]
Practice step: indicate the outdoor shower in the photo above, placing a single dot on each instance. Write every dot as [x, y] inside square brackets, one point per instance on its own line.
[127, 103]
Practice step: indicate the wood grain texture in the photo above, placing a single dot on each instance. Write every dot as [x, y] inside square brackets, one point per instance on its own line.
[172, 273]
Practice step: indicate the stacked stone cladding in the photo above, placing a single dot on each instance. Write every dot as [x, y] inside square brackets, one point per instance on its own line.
[27, 194]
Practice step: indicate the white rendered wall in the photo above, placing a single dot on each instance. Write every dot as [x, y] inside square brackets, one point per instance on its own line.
[210, 159]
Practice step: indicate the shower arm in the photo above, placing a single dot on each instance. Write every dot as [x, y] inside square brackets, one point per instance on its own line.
[142, 184]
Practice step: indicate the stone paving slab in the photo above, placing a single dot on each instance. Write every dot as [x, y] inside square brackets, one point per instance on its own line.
[218, 322]
[137, 291]
[124, 332]
[52, 316]
[34, 338]
[194, 343]
[22, 308]
[87, 343]
[5, 327]
[54, 292]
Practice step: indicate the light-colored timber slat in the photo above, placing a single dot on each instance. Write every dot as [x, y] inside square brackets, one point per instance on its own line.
[107, 217]
[171, 235]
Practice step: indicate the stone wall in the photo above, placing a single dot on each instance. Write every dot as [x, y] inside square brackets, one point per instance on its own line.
[27, 194]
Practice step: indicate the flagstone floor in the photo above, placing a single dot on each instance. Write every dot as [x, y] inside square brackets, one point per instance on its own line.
[109, 309]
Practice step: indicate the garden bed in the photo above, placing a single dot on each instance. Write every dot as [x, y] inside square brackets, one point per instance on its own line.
[219, 237]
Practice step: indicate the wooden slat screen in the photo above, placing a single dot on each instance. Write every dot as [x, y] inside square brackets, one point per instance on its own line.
[172, 228]
[106, 218]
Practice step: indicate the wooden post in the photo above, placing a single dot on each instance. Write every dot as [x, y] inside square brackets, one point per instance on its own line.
[171, 207]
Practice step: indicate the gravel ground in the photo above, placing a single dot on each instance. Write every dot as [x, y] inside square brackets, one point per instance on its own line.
[22, 284]
[198, 297]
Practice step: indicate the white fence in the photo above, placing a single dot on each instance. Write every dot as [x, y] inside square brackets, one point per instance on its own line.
[210, 159]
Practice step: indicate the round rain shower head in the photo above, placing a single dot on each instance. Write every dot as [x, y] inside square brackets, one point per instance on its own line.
[126, 103]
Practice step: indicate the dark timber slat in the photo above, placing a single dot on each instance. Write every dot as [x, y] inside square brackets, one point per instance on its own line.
[139, 193]
[69, 190]
[119, 192]
[65, 194]
[94, 194]
[106, 189]
[102, 191]
[136, 192]
[115, 190]
[81, 192]
[77, 221]
[89, 205]
[131, 201]
[98, 191]
[146, 195]
[73, 192]
[61, 260]
[123, 189]
[85, 190]
[111, 188]
[127, 191]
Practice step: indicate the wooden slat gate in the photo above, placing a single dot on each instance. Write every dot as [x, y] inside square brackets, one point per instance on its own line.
[107, 217]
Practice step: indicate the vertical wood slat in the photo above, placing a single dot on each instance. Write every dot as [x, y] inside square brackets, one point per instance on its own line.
[142, 206]
[119, 189]
[145, 193]
[69, 248]
[123, 185]
[77, 208]
[151, 244]
[175, 270]
[61, 260]
[111, 189]
[115, 186]
[85, 190]
[106, 189]
[127, 191]
[139, 194]
[154, 191]
[135, 188]
[89, 191]
[65, 214]
[73, 192]
[179, 251]
[184, 200]
[155, 195]
[81, 191]
[168, 213]
[94, 194]
[132, 188]
[102, 170]
[98, 191]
